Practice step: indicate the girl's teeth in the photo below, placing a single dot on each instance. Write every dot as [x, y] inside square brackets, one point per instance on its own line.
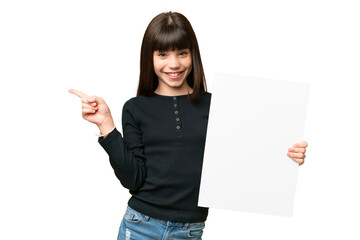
[174, 74]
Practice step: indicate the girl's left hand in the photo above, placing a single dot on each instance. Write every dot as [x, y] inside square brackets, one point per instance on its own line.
[297, 152]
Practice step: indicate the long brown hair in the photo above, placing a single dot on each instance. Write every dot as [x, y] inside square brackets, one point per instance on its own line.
[169, 31]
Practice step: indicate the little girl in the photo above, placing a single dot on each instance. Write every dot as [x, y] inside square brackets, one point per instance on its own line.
[159, 156]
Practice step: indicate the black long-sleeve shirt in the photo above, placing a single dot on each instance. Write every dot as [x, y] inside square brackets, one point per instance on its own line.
[159, 157]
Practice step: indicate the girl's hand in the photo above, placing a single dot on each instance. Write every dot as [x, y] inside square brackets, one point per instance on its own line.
[95, 110]
[297, 152]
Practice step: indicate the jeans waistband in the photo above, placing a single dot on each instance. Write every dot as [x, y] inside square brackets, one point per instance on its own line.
[165, 222]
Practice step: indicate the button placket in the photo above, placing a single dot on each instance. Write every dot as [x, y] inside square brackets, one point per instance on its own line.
[177, 117]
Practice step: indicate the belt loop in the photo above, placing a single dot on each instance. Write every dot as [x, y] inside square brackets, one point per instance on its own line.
[146, 218]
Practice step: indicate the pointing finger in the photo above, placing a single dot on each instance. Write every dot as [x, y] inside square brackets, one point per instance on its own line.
[78, 93]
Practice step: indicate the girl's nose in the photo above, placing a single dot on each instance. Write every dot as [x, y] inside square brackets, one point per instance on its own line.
[173, 62]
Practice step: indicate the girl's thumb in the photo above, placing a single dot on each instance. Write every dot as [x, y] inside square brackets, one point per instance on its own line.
[95, 99]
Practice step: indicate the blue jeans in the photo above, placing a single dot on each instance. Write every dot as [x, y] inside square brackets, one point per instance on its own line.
[138, 226]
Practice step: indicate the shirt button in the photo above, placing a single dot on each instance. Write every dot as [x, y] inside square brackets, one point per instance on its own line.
[177, 127]
[174, 98]
[175, 105]
[177, 119]
[176, 112]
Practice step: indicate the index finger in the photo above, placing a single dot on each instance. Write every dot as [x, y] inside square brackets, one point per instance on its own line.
[78, 93]
[302, 144]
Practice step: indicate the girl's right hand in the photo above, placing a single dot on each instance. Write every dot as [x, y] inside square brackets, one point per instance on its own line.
[95, 110]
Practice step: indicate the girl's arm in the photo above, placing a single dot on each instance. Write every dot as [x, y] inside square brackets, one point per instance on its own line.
[126, 154]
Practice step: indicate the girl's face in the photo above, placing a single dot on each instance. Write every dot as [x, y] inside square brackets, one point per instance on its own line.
[172, 69]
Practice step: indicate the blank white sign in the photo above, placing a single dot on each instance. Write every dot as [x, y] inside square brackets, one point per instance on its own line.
[252, 123]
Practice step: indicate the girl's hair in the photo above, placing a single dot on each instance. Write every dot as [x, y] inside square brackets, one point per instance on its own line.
[169, 31]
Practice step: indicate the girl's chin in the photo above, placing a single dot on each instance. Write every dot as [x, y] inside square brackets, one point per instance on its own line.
[176, 85]
[173, 84]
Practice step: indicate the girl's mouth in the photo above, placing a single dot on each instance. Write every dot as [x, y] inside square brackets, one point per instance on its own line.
[174, 75]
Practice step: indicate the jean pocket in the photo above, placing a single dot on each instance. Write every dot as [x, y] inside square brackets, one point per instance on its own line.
[132, 216]
[196, 229]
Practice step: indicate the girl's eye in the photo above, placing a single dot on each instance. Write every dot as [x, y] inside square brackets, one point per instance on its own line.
[183, 53]
[162, 54]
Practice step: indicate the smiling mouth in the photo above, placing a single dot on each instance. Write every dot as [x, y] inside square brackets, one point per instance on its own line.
[174, 75]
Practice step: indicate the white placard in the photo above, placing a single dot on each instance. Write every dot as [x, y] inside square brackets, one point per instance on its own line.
[252, 123]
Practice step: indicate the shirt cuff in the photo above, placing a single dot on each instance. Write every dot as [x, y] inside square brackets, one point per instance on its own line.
[104, 141]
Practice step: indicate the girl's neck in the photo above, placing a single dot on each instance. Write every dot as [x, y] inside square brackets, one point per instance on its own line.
[173, 91]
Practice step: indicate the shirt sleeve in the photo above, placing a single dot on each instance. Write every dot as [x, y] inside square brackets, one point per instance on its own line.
[126, 154]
